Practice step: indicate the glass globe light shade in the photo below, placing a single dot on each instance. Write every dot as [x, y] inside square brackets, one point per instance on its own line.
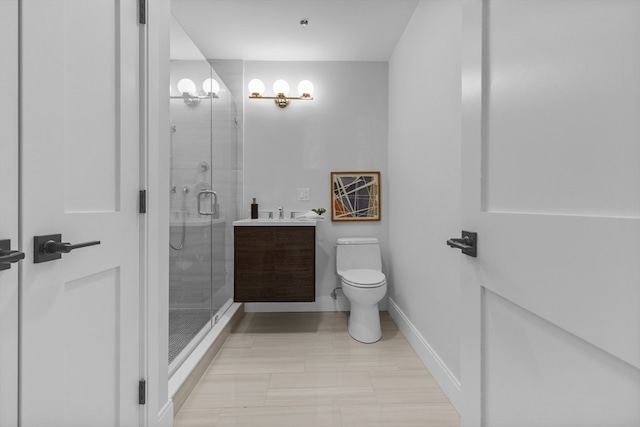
[211, 86]
[280, 86]
[256, 86]
[305, 87]
[186, 86]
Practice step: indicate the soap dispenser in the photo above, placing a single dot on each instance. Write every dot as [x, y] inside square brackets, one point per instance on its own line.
[254, 209]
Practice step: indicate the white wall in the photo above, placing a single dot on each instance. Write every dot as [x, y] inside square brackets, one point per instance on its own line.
[343, 129]
[424, 186]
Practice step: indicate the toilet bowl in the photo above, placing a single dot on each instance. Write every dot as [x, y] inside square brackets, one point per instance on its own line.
[363, 283]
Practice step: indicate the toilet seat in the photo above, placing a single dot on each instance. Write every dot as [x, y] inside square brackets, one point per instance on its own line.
[364, 278]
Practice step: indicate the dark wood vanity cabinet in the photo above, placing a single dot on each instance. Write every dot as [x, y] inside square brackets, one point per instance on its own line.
[274, 264]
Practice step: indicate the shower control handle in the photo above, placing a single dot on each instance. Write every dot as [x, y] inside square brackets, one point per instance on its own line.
[203, 193]
[51, 247]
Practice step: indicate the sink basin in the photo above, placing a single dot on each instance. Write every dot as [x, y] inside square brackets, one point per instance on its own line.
[275, 222]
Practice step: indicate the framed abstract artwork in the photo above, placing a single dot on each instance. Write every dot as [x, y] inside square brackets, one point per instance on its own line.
[355, 196]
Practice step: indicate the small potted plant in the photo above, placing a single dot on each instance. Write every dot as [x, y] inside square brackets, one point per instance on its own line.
[319, 211]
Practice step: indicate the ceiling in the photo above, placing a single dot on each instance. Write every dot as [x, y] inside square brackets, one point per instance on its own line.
[270, 30]
[180, 44]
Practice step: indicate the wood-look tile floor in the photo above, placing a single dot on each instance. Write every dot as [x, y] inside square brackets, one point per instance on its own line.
[304, 370]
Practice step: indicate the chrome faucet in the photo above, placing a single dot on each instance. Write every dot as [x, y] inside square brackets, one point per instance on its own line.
[280, 213]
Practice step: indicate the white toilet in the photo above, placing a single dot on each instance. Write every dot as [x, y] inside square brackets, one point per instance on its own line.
[359, 265]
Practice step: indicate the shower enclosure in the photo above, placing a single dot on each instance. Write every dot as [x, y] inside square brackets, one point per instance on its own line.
[203, 194]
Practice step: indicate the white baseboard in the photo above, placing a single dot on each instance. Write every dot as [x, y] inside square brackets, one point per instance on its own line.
[183, 373]
[439, 370]
[165, 417]
[321, 304]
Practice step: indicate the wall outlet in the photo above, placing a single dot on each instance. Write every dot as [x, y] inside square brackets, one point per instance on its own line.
[303, 194]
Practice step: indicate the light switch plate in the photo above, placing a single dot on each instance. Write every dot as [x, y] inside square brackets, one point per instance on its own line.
[303, 194]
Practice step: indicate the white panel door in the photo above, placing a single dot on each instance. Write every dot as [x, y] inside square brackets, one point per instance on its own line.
[80, 138]
[9, 211]
[551, 184]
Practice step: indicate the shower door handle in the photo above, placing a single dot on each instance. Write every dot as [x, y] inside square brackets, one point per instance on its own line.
[7, 256]
[204, 193]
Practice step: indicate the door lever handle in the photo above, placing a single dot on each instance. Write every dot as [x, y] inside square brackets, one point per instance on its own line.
[468, 243]
[462, 243]
[7, 256]
[10, 256]
[51, 247]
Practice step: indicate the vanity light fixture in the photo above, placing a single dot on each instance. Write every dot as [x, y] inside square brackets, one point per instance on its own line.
[211, 87]
[281, 89]
[190, 95]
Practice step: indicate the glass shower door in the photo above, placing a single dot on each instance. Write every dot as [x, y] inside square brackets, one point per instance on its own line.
[193, 208]
[206, 159]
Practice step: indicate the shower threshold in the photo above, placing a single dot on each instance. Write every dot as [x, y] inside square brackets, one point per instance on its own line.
[184, 325]
[187, 329]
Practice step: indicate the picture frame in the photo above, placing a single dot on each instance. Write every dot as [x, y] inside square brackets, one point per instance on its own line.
[355, 196]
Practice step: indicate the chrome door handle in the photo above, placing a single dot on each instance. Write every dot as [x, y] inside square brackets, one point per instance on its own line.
[7, 256]
[215, 202]
[51, 247]
[468, 243]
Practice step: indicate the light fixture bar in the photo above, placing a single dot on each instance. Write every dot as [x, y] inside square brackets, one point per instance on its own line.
[209, 96]
[281, 100]
[193, 100]
[281, 87]
[297, 98]
[189, 93]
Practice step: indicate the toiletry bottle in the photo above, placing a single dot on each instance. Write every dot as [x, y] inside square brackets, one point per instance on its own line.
[254, 209]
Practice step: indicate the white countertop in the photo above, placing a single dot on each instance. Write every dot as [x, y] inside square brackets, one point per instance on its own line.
[276, 222]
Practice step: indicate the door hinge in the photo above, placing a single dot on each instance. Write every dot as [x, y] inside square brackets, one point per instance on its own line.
[143, 11]
[143, 201]
[142, 392]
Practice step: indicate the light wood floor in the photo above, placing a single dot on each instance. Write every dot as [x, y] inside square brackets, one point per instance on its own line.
[304, 370]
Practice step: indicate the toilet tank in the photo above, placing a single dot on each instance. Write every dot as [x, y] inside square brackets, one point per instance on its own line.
[358, 253]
